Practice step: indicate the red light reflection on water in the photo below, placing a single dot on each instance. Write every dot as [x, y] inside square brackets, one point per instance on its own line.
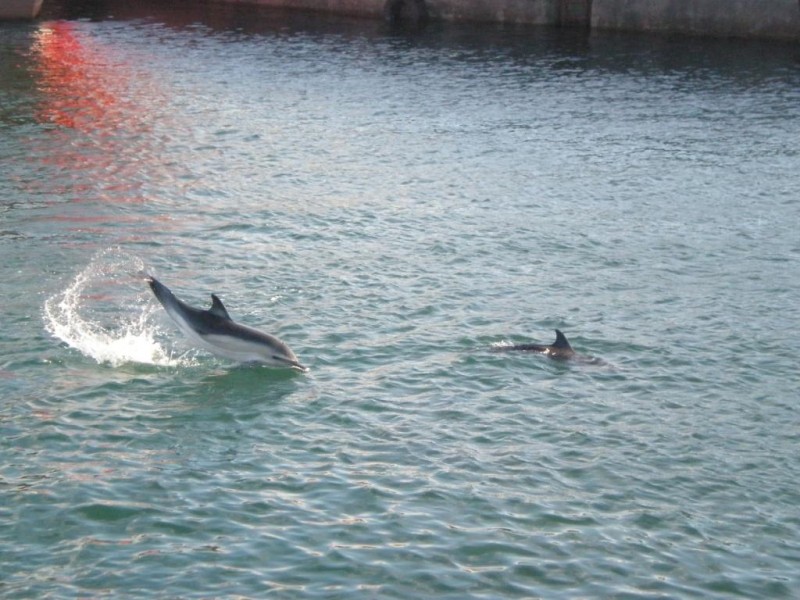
[74, 93]
[98, 147]
[98, 107]
[97, 152]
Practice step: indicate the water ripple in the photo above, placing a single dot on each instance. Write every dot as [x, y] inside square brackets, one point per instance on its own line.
[397, 204]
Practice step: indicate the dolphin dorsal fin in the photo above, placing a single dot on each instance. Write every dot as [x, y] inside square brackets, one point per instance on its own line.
[218, 309]
[561, 341]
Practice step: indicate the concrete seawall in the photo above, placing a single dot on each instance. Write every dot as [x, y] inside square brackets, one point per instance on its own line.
[762, 19]
[775, 19]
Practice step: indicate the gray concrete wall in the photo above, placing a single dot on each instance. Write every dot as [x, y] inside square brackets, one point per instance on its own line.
[19, 9]
[766, 19]
[774, 19]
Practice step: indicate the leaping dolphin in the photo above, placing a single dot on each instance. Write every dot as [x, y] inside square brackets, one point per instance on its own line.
[214, 330]
[560, 349]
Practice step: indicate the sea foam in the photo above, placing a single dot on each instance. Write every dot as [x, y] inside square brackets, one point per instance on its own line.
[103, 315]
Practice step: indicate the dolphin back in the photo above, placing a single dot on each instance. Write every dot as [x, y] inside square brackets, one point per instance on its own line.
[560, 349]
[201, 322]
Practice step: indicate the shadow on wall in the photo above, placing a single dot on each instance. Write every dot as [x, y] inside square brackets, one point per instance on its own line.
[406, 12]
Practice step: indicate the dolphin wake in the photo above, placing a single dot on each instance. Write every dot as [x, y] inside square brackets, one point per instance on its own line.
[104, 313]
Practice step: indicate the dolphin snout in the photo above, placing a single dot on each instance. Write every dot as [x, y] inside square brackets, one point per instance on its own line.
[292, 363]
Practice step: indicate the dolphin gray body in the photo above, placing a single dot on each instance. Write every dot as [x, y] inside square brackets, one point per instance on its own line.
[559, 350]
[215, 331]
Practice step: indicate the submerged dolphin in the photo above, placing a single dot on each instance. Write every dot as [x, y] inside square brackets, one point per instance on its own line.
[214, 330]
[560, 349]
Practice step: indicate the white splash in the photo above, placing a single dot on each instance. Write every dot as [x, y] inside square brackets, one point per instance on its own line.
[104, 314]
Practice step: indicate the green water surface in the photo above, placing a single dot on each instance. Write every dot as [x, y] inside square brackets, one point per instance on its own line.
[393, 205]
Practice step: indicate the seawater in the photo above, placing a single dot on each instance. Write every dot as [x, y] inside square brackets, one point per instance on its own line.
[394, 205]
